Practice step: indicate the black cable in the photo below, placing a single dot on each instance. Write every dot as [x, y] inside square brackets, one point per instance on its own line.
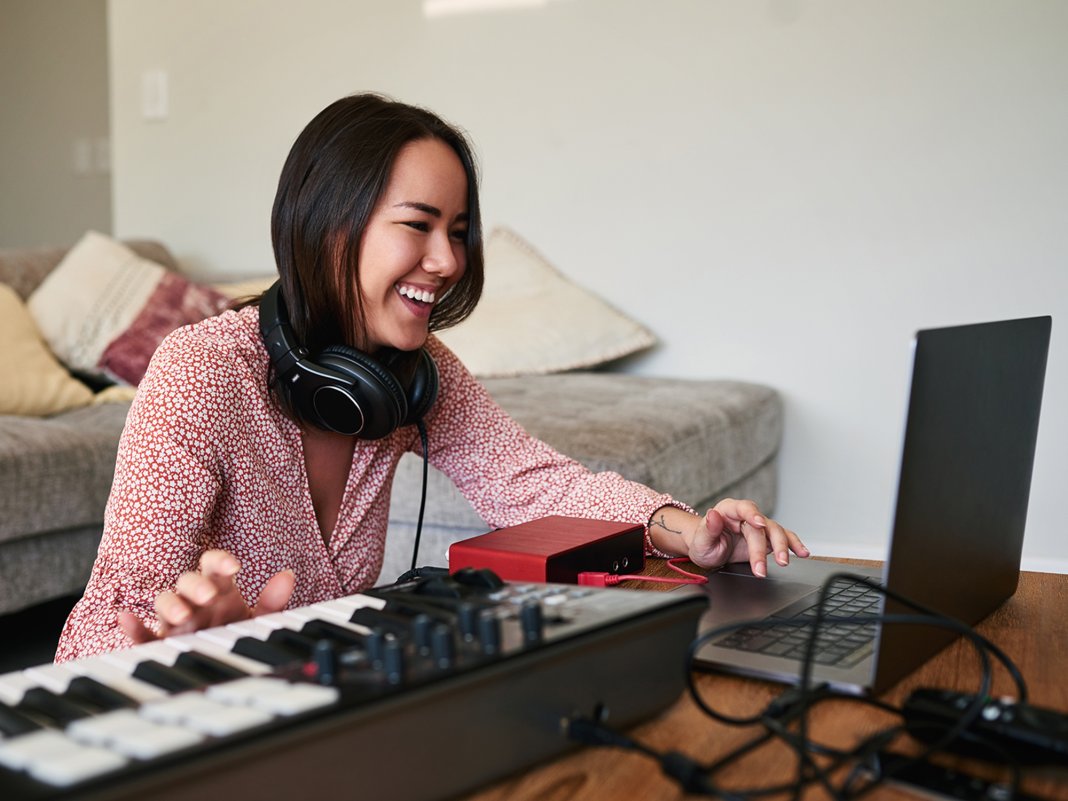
[422, 497]
[786, 717]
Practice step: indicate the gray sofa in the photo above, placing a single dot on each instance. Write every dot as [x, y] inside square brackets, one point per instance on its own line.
[698, 440]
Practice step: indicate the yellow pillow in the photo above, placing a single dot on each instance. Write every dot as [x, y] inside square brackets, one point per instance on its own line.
[34, 383]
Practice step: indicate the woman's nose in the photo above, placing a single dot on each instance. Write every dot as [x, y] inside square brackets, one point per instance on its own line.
[444, 257]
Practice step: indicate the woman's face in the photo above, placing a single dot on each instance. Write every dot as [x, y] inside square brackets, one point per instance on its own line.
[414, 247]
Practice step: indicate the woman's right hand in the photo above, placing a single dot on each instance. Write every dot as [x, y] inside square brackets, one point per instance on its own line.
[208, 598]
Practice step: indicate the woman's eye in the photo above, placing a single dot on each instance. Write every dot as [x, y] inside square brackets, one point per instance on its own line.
[418, 226]
[460, 236]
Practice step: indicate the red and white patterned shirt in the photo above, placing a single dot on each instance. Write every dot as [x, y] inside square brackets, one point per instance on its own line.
[207, 460]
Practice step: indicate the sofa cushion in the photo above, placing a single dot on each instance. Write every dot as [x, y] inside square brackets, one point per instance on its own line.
[34, 383]
[56, 472]
[533, 320]
[103, 310]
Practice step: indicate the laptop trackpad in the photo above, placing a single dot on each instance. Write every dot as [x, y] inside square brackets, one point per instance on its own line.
[736, 594]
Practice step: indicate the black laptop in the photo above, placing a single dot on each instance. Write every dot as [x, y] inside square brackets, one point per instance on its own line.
[958, 529]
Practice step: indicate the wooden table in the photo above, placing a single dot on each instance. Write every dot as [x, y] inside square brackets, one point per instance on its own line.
[1031, 627]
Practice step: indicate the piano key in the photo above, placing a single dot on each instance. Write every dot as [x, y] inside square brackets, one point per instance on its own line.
[344, 636]
[132, 735]
[18, 752]
[75, 764]
[162, 651]
[274, 695]
[398, 625]
[295, 641]
[210, 647]
[205, 716]
[89, 691]
[118, 678]
[57, 710]
[208, 668]
[50, 676]
[338, 611]
[297, 698]
[13, 686]
[290, 619]
[259, 627]
[13, 722]
[166, 677]
[268, 653]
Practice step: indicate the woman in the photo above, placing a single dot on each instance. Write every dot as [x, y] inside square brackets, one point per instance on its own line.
[241, 488]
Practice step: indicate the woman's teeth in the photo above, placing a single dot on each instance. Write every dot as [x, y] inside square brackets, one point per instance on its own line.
[422, 295]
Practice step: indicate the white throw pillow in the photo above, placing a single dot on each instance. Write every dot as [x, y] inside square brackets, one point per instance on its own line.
[104, 309]
[533, 320]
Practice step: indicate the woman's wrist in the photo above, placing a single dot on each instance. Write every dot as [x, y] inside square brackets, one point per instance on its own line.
[671, 529]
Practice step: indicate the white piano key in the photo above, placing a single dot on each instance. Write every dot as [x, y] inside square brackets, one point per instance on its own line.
[18, 752]
[75, 764]
[223, 636]
[354, 602]
[254, 627]
[52, 677]
[244, 691]
[131, 735]
[153, 740]
[204, 645]
[205, 716]
[297, 698]
[282, 620]
[99, 730]
[129, 658]
[13, 686]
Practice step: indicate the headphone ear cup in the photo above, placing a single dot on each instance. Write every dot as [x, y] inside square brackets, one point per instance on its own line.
[423, 388]
[378, 394]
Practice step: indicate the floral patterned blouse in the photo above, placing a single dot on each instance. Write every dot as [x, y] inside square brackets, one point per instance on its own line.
[207, 460]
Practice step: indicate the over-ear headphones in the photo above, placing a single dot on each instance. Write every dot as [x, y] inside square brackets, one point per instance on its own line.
[342, 389]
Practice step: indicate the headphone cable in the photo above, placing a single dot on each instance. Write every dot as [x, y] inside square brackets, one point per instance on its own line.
[422, 497]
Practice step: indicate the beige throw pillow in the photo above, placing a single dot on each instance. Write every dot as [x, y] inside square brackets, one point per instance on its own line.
[34, 383]
[104, 309]
[533, 320]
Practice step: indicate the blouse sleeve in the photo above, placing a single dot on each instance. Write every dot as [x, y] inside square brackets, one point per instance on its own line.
[167, 476]
[509, 476]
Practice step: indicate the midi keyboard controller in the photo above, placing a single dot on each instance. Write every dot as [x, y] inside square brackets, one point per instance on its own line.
[423, 690]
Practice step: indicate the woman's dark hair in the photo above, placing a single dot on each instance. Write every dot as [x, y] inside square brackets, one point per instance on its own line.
[332, 180]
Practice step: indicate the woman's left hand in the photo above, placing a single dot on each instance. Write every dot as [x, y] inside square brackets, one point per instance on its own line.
[737, 531]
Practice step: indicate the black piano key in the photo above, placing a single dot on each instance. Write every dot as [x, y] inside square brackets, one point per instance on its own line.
[55, 709]
[14, 722]
[390, 622]
[300, 644]
[268, 653]
[171, 679]
[339, 635]
[89, 692]
[208, 668]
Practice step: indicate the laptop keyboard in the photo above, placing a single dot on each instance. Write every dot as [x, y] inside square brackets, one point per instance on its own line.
[841, 645]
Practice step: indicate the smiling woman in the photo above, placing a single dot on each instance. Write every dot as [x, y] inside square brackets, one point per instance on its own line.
[258, 458]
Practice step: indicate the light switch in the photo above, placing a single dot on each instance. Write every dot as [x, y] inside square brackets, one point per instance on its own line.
[154, 99]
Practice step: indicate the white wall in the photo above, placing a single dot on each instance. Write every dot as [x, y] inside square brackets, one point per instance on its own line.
[784, 190]
[55, 177]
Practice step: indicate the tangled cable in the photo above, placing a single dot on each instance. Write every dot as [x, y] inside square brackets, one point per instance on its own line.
[786, 718]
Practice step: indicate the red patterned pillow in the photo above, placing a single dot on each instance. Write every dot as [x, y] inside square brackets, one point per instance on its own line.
[104, 310]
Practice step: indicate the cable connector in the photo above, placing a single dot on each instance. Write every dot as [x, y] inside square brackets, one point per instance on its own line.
[590, 578]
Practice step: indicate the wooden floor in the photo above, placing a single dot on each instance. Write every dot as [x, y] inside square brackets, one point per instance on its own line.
[29, 637]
